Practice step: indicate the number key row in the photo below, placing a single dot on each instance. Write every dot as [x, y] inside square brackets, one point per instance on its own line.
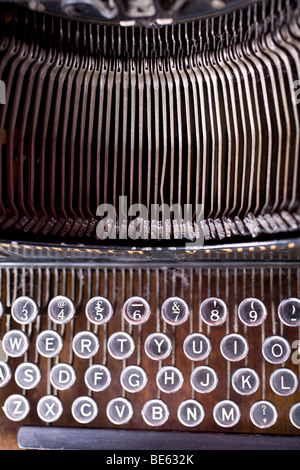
[175, 310]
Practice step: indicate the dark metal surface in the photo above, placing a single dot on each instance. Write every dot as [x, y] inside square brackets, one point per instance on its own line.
[30, 437]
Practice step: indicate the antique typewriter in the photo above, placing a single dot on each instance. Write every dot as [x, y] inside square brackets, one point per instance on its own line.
[149, 224]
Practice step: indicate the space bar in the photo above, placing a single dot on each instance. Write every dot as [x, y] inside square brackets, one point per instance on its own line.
[61, 438]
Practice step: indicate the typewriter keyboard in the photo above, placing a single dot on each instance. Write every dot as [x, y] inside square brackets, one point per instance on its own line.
[206, 349]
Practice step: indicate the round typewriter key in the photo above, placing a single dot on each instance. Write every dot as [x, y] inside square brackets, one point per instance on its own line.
[155, 412]
[24, 310]
[276, 349]
[252, 312]
[61, 309]
[284, 381]
[97, 377]
[289, 311]
[197, 346]
[49, 408]
[245, 381]
[263, 414]
[15, 343]
[120, 345]
[295, 415]
[5, 373]
[119, 410]
[16, 407]
[234, 347]
[204, 379]
[169, 379]
[158, 346]
[62, 376]
[213, 311]
[98, 310]
[133, 379]
[27, 375]
[49, 343]
[226, 413]
[190, 413]
[84, 409]
[136, 310]
[85, 344]
[175, 311]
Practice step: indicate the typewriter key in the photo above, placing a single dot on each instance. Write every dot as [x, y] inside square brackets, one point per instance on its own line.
[119, 410]
[276, 349]
[234, 347]
[226, 413]
[133, 379]
[204, 379]
[27, 375]
[16, 407]
[24, 310]
[190, 413]
[169, 379]
[252, 312]
[175, 311]
[98, 310]
[284, 381]
[158, 346]
[97, 377]
[136, 310]
[213, 311]
[61, 309]
[85, 344]
[84, 409]
[155, 412]
[289, 311]
[49, 343]
[15, 343]
[120, 345]
[245, 381]
[62, 376]
[295, 415]
[5, 373]
[263, 414]
[49, 408]
[197, 346]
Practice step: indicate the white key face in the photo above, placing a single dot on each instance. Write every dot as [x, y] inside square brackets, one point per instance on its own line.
[61, 309]
[190, 413]
[120, 345]
[119, 410]
[49, 408]
[49, 343]
[62, 376]
[16, 407]
[84, 410]
[24, 310]
[136, 310]
[213, 311]
[15, 343]
[97, 377]
[133, 379]
[27, 375]
[175, 311]
[155, 412]
[158, 346]
[276, 349]
[226, 413]
[99, 310]
[85, 344]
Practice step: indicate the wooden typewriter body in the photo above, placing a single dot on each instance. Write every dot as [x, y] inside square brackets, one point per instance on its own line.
[166, 342]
